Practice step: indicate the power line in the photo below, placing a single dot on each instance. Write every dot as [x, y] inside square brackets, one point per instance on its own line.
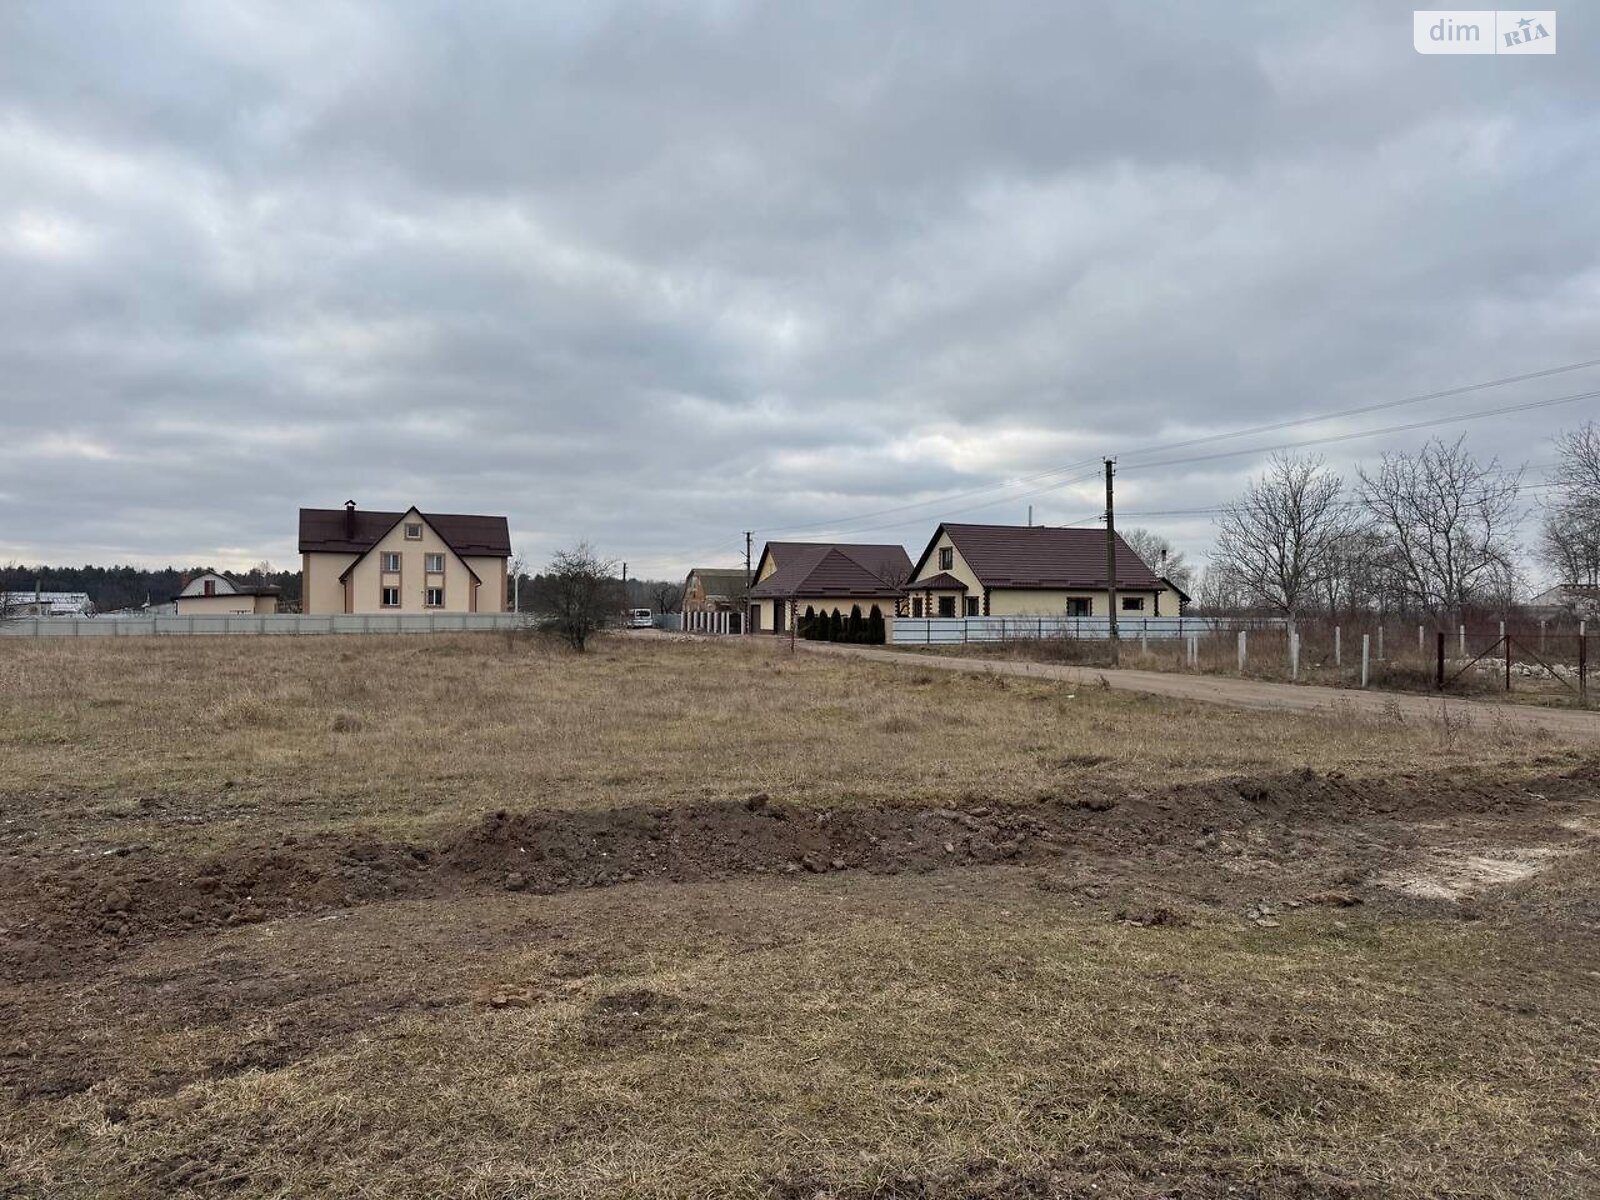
[1347, 437]
[1463, 389]
[818, 530]
[1368, 408]
[938, 500]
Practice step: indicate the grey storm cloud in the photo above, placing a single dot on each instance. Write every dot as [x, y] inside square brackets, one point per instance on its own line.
[657, 274]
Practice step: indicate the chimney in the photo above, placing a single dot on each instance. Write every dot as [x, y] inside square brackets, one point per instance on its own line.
[350, 520]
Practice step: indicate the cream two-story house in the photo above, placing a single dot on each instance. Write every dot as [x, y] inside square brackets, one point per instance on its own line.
[363, 561]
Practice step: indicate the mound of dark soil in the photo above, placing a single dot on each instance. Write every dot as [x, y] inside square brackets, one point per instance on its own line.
[56, 915]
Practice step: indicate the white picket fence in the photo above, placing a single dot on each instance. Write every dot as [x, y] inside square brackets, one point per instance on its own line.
[957, 631]
[279, 623]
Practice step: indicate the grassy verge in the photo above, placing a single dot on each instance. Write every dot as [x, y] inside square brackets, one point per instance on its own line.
[191, 742]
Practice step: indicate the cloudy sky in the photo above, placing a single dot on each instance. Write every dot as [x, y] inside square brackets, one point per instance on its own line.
[656, 274]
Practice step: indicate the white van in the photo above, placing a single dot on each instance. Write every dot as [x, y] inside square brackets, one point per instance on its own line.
[640, 618]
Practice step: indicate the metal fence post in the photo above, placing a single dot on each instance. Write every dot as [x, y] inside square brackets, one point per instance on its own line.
[1507, 641]
[1439, 674]
[1338, 650]
[1294, 656]
[1380, 641]
[1421, 645]
[1462, 647]
[1366, 657]
[1243, 651]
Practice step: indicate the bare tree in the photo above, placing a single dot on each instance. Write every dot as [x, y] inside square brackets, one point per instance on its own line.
[1448, 524]
[1161, 556]
[898, 577]
[1569, 536]
[582, 592]
[1218, 590]
[1277, 543]
[515, 569]
[666, 595]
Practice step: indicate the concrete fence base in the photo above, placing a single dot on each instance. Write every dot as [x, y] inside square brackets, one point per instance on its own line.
[280, 623]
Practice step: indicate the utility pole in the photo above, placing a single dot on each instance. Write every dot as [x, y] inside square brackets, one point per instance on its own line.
[625, 605]
[744, 618]
[1111, 562]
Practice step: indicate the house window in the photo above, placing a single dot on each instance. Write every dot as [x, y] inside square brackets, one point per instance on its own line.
[947, 606]
[433, 598]
[1133, 604]
[916, 606]
[972, 606]
[391, 560]
[1078, 606]
[434, 563]
[413, 533]
[947, 558]
[391, 597]
[211, 587]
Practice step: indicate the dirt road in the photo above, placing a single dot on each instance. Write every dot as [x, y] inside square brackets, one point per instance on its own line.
[1248, 693]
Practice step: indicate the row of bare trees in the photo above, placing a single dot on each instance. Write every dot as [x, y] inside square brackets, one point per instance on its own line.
[1432, 532]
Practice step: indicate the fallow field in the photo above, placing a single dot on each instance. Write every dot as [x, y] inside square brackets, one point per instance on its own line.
[472, 916]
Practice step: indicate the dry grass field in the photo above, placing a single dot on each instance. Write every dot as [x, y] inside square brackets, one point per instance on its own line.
[475, 917]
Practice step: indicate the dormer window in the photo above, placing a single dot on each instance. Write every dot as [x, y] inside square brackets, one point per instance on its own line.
[211, 587]
[414, 532]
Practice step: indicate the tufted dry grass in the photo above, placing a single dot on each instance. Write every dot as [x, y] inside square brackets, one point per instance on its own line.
[254, 736]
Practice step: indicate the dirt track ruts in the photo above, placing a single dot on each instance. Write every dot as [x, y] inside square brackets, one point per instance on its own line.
[1240, 693]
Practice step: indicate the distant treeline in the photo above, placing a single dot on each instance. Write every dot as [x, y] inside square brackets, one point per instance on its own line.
[128, 587]
[658, 595]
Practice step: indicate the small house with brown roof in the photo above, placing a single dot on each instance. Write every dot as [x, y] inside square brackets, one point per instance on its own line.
[366, 561]
[216, 594]
[1032, 570]
[824, 576]
[713, 589]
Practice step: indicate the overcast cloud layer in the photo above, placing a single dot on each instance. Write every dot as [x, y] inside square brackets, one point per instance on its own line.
[654, 275]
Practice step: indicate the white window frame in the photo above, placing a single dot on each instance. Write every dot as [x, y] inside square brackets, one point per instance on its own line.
[947, 558]
[428, 593]
[428, 561]
[1132, 603]
[385, 557]
[383, 597]
[413, 531]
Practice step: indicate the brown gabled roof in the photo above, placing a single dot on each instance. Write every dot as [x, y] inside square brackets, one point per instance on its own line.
[326, 529]
[942, 582]
[1042, 556]
[719, 581]
[829, 569]
[884, 560]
